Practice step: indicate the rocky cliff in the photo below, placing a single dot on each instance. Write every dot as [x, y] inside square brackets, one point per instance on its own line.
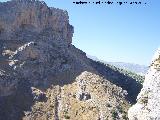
[43, 76]
[148, 100]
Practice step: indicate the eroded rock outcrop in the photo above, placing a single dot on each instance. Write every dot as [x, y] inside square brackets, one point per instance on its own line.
[148, 100]
[44, 77]
[32, 36]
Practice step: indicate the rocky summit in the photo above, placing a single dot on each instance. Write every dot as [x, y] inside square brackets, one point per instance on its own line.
[44, 77]
[148, 100]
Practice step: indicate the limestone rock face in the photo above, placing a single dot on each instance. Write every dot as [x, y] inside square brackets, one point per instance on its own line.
[33, 17]
[44, 77]
[31, 34]
[148, 100]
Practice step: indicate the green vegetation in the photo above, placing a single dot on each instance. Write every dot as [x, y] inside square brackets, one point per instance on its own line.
[133, 75]
[124, 117]
[66, 117]
[120, 109]
[124, 114]
[114, 114]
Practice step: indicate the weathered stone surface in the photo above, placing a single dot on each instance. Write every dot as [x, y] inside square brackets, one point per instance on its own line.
[33, 17]
[148, 100]
[44, 77]
[31, 36]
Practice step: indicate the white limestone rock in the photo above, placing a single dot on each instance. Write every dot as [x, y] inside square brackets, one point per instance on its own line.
[148, 100]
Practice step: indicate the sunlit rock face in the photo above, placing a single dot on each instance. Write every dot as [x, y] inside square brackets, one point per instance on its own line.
[44, 77]
[34, 43]
[148, 100]
[33, 17]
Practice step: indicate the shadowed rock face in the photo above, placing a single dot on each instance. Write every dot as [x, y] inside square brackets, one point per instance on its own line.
[43, 76]
[148, 100]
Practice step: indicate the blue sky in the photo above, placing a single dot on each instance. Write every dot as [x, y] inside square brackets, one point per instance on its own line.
[126, 33]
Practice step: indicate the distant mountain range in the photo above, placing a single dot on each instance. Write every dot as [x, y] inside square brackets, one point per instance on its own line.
[139, 69]
[136, 68]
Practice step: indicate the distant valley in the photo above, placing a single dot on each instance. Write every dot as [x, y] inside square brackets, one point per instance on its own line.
[136, 68]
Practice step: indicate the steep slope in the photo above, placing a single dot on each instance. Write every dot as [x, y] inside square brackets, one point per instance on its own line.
[43, 76]
[148, 100]
[119, 78]
[137, 77]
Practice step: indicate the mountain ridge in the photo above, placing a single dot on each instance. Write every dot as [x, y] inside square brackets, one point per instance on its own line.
[136, 68]
[44, 77]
